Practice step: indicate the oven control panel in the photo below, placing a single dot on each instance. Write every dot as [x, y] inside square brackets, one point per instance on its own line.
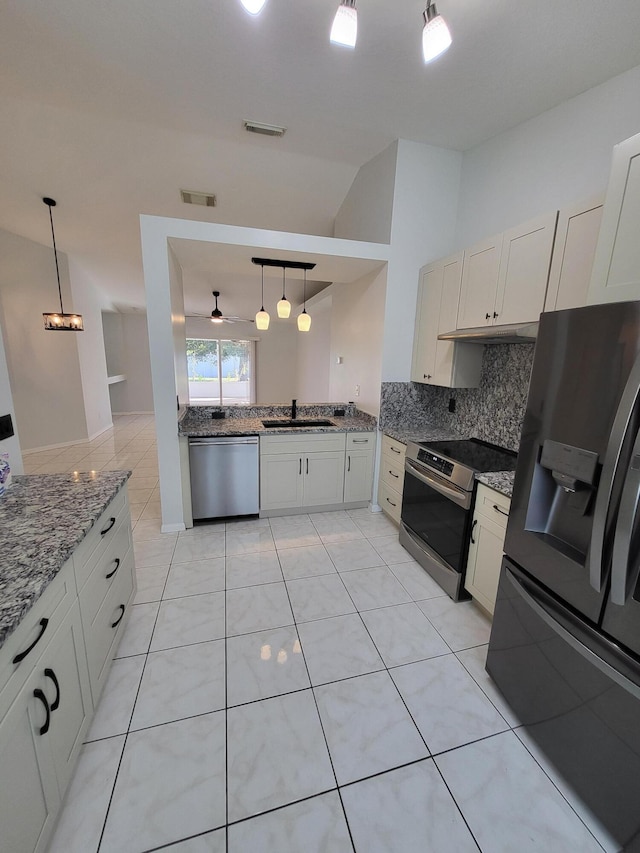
[437, 462]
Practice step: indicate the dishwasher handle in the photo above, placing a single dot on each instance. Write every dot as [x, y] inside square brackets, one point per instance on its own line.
[210, 442]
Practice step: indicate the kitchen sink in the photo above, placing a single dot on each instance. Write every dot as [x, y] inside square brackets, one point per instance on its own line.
[298, 422]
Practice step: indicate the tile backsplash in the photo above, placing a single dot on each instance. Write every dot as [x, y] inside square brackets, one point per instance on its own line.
[493, 412]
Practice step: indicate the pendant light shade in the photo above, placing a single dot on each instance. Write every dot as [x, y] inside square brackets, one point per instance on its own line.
[253, 7]
[345, 24]
[436, 37]
[284, 306]
[262, 317]
[52, 320]
[304, 320]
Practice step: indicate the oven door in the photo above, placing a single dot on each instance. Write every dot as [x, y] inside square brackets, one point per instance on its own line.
[437, 513]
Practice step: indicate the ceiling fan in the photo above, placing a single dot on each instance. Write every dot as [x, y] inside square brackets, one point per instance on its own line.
[218, 317]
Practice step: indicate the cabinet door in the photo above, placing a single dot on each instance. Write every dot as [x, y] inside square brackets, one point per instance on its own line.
[427, 323]
[616, 267]
[358, 476]
[479, 284]
[524, 271]
[29, 796]
[281, 480]
[484, 561]
[323, 478]
[573, 253]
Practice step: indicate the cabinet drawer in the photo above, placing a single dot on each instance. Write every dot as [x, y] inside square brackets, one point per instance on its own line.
[34, 632]
[103, 633]
[390, 501]
[99, 537]
[307, 443]
[393, 448]
[492, 505]
[112, 562]
[392, 472]
[361, 440]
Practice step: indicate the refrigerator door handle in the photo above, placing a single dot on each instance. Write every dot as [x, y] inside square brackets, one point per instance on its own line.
[621, 422]
[622, 578]
[566, 626]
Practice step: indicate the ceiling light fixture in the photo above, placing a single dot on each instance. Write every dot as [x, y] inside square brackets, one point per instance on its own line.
[253, 7]
[216, 314]
[60, 322]
[304, 320]
[436, 37]
[284, 306]
[345, 24]
[262, 317]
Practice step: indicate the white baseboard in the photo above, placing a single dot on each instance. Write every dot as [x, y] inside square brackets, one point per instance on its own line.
[172, 528]
[99, 432]
[55, 446]
[133, 413]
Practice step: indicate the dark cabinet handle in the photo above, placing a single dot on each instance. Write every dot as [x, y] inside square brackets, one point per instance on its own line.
[361, 441]
[495, 315]
[22, 655]
[112, 521]
[120, 617]
[40, 695]
[300, 469]
[501, 511]
[307, 464]
[348, 464]
[49, 673]
[397, 476]
[391, 502]
[473, 527]
[487, 316]
[426, 376]
[111, 574]
[395, 451]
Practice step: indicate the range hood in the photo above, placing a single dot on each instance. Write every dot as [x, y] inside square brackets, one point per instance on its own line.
[516, 333]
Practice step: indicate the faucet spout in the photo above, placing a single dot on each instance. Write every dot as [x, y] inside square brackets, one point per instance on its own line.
[294, 409]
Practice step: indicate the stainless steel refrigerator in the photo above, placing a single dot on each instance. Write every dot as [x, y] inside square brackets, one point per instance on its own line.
[565, 639]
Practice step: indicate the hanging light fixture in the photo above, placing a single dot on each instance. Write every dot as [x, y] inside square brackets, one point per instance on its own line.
[284, 306]
[436, 37]
[262, 317]
[253, 7]
[54, 321]
[345, 24]
[304, 320]
[216, 314]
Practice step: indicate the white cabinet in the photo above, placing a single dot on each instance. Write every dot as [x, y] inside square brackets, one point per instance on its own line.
[358, 471]
[442, 362]
[573, 254]
[486, 546]
[391, 482]
[504, 279]
[616, 267]
[280, 480]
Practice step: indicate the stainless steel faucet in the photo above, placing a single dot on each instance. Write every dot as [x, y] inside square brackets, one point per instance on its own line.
[294, 409]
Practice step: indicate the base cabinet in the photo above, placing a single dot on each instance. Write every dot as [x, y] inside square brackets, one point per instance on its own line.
[391, 482]
[486, 546]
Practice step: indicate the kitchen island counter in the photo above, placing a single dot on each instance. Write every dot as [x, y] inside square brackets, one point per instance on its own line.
[499, 481]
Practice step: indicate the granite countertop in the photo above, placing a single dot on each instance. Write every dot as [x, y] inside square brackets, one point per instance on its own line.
[43, 517]
[423, 433]
[500, 481]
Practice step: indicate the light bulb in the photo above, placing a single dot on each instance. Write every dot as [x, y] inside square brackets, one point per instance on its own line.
[436, 37]
[284, 308]
[304, 322]
[253, 7]
[262, 320]
[345, 24]
[216, 320]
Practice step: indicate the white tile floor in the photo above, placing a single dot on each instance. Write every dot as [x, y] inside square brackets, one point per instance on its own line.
[298, 684]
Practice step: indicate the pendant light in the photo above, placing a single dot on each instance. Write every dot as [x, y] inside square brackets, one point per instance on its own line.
[253, 7]
[53, 321]
[304, 320]
[284, 306]
[216, 314]
[262, 317]
[345, 24]
[436, 37]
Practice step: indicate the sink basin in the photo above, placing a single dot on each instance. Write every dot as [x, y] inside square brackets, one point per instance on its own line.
[298, 422]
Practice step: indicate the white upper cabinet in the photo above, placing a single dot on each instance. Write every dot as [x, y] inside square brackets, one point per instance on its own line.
[504, 280]
[616, 267]
[442, 362]
[573, 253]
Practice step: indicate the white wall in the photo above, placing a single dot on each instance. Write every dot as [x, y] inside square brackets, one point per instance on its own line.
[314, 354]
[178, 328]
[365, 213]
[44, 366]
[8, 445]
[126, 341]
[555, 159]
[357, 324]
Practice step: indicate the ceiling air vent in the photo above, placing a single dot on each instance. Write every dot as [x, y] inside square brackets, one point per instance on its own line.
[204, 199]
[266, 129]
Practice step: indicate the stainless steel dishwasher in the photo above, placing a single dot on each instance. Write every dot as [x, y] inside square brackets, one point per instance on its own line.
[224, 476]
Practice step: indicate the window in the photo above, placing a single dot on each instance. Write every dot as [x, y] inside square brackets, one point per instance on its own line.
[220, 372]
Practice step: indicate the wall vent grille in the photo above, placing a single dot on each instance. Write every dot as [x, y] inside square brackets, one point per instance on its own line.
[265, 129]
[203, 199]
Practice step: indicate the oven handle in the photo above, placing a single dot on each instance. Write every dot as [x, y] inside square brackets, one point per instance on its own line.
[458, 497]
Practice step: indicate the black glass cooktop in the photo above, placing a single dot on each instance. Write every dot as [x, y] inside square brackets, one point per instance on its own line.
[475, 454]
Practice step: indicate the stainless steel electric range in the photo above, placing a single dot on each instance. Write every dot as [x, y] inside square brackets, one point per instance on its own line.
[437, 503]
